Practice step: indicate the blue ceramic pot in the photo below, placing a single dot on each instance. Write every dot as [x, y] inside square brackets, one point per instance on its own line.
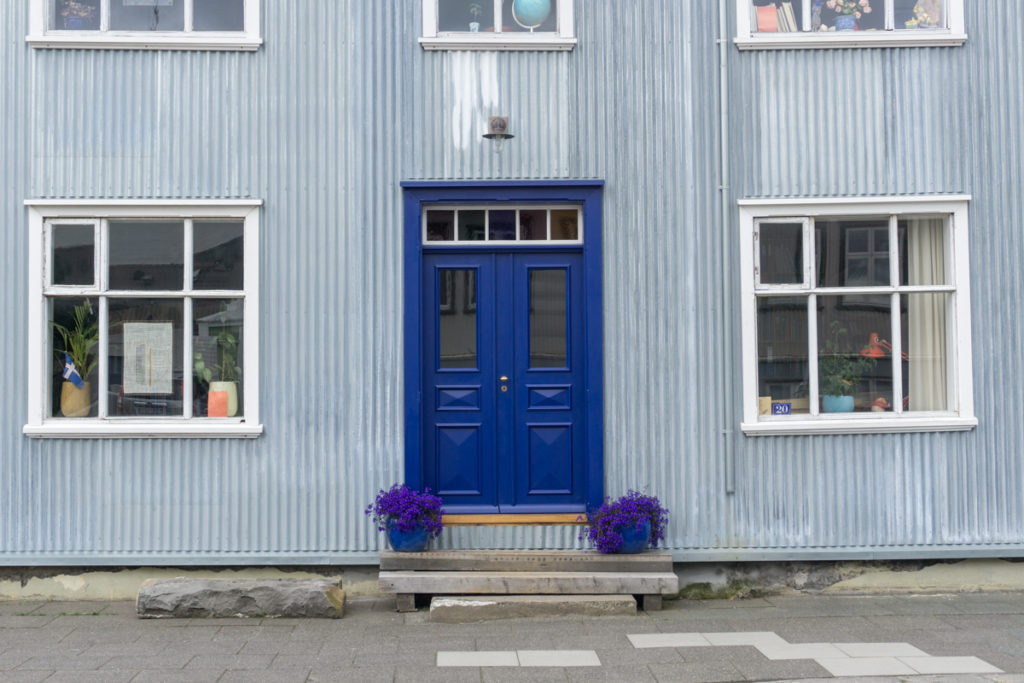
[407, 541]
[845, 22]
[531, 12]
[634, 539]
[837, 404]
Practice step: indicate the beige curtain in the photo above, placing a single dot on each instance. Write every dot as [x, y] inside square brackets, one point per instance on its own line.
[926, 325]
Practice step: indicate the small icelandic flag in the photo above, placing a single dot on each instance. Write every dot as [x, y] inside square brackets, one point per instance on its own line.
[71, 373]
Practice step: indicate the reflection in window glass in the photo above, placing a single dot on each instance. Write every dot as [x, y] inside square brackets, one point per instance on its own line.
[440, 226]
[73, 253]
[456, 298]
[852, 253]
[147, 15]
[471, 225]
[146, 255]
[76, 15]
[217, 255]
[548, 324]
[144, 357]
[217, 352]
[565, 225]
[783, 373]
[854, 354]
[218, 15]
[465, 15]
[502, 225]
[75, 345]
[782, 253]
[925, 351]
[533, 224]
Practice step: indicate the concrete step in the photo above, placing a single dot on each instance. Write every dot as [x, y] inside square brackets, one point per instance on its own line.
[525, 561]
[466, 609]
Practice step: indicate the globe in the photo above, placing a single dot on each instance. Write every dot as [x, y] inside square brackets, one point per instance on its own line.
[531, 13]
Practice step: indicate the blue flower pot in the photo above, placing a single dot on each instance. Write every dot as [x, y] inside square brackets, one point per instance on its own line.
[407, 541]
[845, 22]
[837, 404]
[634, 539]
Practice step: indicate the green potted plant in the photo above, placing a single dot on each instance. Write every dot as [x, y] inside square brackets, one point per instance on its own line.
[840, 370]
[78, 360]
[225, 370]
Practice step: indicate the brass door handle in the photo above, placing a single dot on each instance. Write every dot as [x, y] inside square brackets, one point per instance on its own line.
[504, 378]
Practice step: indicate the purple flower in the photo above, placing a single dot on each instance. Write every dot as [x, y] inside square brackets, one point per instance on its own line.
[631, 510]
[408, 509]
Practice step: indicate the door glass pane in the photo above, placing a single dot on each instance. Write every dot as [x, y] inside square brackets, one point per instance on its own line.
[782, 358]
[218, 255]
[530, 15]
[533, 224]
[147, 255]
[465, 15]
[76, 15]
[144, 357]
[854, 354]
[440, 226]
[217, 350]
[548, 328]
[73, 253]
[218, 15]
[75, 344]
[502, 225]
[565, 225]
[147, 15]
[471, 225]
[925, 351]
[852, 253]
[782, 253]
[456, 298]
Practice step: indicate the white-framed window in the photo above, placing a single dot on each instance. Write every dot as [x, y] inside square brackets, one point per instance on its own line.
[487, 225]
[791, 24]
[146, 24]
[475, 25]
[143, 318]
[856, 315]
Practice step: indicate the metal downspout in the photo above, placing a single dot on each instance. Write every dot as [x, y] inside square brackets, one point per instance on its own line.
[725, 391]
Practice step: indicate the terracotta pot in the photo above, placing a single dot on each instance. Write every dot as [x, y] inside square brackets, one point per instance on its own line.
[74, 401]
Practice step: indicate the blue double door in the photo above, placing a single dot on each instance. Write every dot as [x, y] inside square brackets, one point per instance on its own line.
[503, 381]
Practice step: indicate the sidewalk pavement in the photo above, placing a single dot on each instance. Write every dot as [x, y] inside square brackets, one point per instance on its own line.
[82, 642]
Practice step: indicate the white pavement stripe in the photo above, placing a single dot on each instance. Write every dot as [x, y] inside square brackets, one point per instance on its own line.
[745, 638]
[558, 658]
[534, 658]
[865, 666]
[477, 658]
[950, 665]
[801, 651]
[880, 650]
[645, 640]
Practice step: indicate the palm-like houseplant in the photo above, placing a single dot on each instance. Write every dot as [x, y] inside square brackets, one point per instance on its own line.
[78, 359]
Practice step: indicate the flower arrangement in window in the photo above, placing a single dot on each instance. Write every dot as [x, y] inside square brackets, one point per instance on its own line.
[849, 12]
[927, 13]
[77, 15]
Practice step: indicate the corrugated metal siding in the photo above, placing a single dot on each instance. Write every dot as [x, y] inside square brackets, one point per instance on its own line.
[341, 104]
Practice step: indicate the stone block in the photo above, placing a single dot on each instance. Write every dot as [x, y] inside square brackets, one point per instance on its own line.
[203, 598]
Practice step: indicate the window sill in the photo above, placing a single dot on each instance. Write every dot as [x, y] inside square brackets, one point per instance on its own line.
[144, 41]
[860, 425]
[93, 429]
[834, 39]
[498, 42]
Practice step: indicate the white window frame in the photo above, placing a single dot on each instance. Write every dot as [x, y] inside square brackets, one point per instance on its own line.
[749, 39]
[41, 36]
[955, 207]
[43, 212]
[562, 39]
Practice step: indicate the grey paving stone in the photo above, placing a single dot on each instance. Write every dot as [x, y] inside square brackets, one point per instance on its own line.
[766, 670]
[10, 659]
[736, 604]
[633, 656]
[281, 646]
[703, 672]
[56, 661]
[911, 623]
[422, 658]
[404, 674]
[421, 645]
[226, 662]
[135, 649]
[105, 676]
[325, 661]
[16, 621]
[209, 647]
[164, 660]
[612, 674]
[194, 676]
[353, 675]
[531, 675]
[279, 676]
[25, 676]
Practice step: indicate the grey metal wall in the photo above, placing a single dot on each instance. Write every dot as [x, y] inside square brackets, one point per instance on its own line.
[341, 104]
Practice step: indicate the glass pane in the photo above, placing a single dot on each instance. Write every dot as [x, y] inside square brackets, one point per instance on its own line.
[852, 253]
[850, 15]
[926, 351]
[147, 15]
[768, 16]
[783, 374]
[915, 14]
[533, 224]
[465, 15]
[217, 351]
[923, 247]
[75, 344]
[565, 225]
[530, 15]
[854, 356]
[502, 225]
[144, 357]
[548, 325]
[147, 255]
[471, 226]
[457, 317]
[218, 15]
[76, 15]
[440, 226]
[73, 253]
[218, 255]
[782, 253]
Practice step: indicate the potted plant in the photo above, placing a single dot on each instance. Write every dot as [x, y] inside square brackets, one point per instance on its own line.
[840, 371]
[409, 517]
[627, 524]
[927, 13]
[849, 12]
[226, 369]
[475, 10]
[77, 357]
[77, 15]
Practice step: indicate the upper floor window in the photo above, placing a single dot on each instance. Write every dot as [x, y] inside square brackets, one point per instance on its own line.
[497, 25]
[149, 24]
[786, 24]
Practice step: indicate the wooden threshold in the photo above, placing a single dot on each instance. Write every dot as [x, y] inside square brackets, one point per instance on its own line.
[565, 519]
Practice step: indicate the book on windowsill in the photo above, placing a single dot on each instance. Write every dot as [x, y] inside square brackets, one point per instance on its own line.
[787, 18]
[767, 19]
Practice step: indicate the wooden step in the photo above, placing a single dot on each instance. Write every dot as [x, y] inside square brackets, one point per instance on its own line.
[525, 561]
[529, 583]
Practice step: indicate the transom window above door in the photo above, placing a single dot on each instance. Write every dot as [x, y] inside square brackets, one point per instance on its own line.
[483, 225]
[146, 24]
[497, 25]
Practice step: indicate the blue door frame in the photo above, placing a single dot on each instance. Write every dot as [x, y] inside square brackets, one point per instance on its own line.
[586, 193]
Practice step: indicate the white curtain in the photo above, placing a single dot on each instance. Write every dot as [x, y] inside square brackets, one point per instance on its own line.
[926, 325]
